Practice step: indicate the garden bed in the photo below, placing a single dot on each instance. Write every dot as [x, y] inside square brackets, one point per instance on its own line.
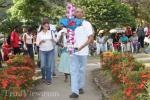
[104, 82]
[16, 79]
[122, 78]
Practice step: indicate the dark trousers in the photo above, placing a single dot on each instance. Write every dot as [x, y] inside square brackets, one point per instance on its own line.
[136, 47]
[39, 62]
[30, 50]
[16, 50]
[0, 60]
[141, 40]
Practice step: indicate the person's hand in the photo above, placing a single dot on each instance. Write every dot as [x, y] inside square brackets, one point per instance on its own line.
[79, 49]
[42, 41]
[25, 47]
[53, 40]
[62, 33]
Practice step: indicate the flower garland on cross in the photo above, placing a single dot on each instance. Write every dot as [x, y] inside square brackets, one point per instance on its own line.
[70, 23]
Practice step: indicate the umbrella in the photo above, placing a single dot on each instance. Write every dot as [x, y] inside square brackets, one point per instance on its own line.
[117, 30]
[101, 31]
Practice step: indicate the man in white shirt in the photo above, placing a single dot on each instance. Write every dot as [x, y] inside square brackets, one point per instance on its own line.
[83, 37]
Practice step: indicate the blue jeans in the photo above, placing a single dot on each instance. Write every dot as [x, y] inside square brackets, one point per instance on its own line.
[46, 58]
[53, 62]
[78, 65]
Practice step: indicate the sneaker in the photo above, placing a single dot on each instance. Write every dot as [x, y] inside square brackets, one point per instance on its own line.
[54, 74]
[48, 82]
[81, 91]
[145, 52]
[42, 80]
[66, 80]
[74, 95]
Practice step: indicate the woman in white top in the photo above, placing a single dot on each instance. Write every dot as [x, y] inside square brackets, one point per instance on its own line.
[28, 42]
[45, 42]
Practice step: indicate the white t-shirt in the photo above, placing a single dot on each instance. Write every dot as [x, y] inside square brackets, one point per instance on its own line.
[146, 30]
[81, 36]
[28, 38]
[47, 37]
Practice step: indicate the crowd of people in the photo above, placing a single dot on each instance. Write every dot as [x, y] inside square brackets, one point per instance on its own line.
[131, 40]
[72, 38]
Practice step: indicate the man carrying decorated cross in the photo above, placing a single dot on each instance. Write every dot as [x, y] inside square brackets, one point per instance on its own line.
[83, 37]
[79, 36]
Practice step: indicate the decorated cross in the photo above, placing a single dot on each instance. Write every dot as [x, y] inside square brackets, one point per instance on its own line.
[71, 23]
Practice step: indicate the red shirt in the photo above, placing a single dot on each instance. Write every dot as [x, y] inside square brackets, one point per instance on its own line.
[128, 32]
[6, 48]
[148, 31]
[15, 39]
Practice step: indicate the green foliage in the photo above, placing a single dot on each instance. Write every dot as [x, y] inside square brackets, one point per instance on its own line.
[143, 96]
[118, 95]
[106, 14]
[4, 5]
[141, 9]
[30, 12]
[8, 25]
[26, 9]
[144, 10]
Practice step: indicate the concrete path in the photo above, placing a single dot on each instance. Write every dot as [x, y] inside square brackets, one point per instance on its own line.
[59, 90]
[143, 58]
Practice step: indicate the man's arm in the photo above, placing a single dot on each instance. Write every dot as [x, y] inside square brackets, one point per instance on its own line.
[24, 38]
[90, 33]
[90, 40]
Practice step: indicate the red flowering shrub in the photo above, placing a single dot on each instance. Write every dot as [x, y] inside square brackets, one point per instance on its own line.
[130, 74]
[20, 61]
[16, 80]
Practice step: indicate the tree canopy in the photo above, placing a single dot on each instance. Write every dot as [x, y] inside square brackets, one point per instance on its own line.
[106, 14]
[34, 10]
[30, 12]
[103, 14]
[4, 5]
[141, 9]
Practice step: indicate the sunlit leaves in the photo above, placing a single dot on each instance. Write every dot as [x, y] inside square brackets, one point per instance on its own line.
[106, 14]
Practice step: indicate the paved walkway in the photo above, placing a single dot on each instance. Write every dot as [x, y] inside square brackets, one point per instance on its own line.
[59, 90]
[143, 58]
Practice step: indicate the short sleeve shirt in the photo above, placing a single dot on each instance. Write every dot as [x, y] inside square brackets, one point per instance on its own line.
[124, 39]
[81, 36]
[48, 44]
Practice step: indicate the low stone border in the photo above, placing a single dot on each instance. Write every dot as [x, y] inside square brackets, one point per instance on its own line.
[106, 91]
